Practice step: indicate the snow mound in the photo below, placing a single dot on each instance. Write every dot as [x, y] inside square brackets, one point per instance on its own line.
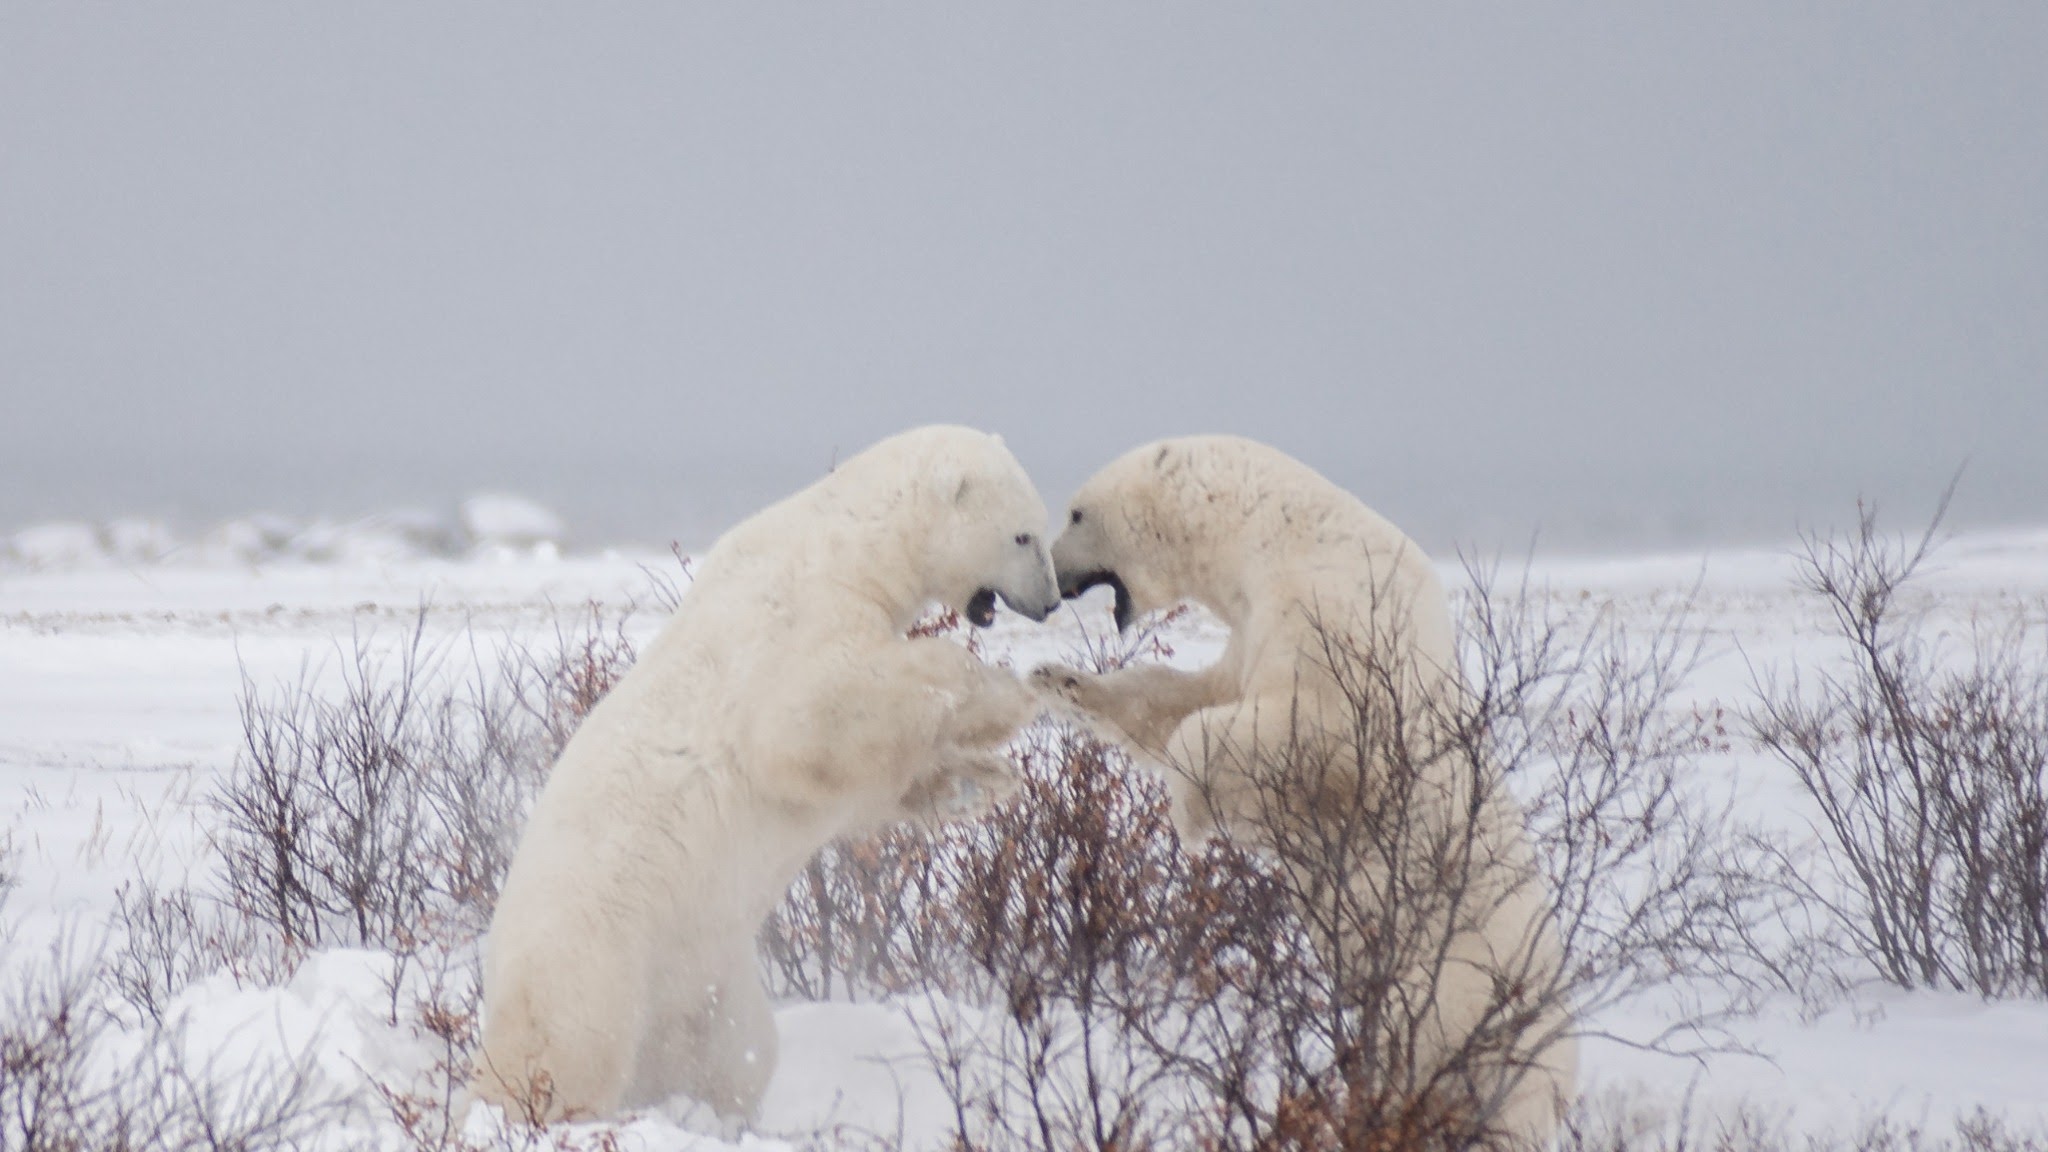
[135, 540]
[65, 544]
[383, 538]
[491, 526]
[248, 539]
[496, 518]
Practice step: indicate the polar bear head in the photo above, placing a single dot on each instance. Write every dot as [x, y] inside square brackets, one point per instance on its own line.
[1156, 522]
[977, 525]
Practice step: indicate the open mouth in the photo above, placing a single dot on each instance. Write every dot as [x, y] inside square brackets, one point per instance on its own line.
[981, 608]
[1082, 583]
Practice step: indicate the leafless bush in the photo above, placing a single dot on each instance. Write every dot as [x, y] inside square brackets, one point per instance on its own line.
[380, 812]
[666, 589]
[850, 927]
[1607, 1128]
[1076, 917]
[1653, 885]
[558, 684]
[164, 940]
[446, 1011]
[1928, 768]
[1087, 982]
[1429, 994]
[391, 809]
[71, 1080]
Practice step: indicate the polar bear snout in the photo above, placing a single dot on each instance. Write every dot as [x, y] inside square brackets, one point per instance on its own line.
[1024, 581]
[1034, 608]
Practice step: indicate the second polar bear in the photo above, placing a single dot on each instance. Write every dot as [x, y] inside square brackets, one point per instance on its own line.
[782, 707]
[1328, 605]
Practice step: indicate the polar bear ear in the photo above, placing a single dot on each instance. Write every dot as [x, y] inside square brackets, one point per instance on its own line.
[1167, 460]
[949, 483]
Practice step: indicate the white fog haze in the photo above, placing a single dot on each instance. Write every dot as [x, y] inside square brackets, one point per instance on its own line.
[1616, 274]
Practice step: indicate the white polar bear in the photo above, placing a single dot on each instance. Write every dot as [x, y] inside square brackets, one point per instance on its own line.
[782, 707]
[1309, 580]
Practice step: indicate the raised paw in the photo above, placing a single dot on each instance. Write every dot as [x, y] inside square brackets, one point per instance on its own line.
[965, 790]
[1061, 683]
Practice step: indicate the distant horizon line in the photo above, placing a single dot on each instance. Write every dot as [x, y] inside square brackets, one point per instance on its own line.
[465, 526]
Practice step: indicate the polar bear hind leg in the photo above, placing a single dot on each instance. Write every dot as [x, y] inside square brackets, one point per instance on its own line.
[715, 1044]
[560, 1044]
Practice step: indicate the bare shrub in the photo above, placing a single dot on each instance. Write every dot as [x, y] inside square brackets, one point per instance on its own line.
[1078, 920]
[560, 683]
[381, 813]
[446, 1010]
[391, 810]
[1928, 768]
[1085, 981]
[1654, 887]
[1391, 848]
[71, 1080]
[168, 939]
[1608, 1128]
[666, 589]
[849, 927]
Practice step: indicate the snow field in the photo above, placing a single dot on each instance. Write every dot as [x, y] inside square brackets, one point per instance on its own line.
[118, 715]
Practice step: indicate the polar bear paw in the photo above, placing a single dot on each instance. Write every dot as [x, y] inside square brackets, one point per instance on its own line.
[1065, 687]
[967, 787]
[1082, 699]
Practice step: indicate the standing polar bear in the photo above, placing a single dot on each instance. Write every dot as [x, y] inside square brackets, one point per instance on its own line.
[1325, 735]
[782, 707]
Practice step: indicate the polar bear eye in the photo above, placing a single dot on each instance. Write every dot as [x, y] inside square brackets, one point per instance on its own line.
[1076, 519]
[1024, 539]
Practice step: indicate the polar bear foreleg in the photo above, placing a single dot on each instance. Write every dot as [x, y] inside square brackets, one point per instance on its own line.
[980, 708]
[866, 733]
[1142, 705]
[964, 785]
[984, 705]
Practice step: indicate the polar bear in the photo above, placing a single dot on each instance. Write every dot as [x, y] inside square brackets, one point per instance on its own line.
[1333, 613]
[782, 707]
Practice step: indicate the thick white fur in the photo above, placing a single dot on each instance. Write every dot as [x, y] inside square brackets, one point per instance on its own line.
[1291, 562]
[781, 708]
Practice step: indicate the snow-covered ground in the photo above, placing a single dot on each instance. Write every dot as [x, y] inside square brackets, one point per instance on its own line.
[119, 678]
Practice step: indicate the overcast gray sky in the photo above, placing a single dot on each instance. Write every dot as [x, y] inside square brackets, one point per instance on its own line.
[1619, 272]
